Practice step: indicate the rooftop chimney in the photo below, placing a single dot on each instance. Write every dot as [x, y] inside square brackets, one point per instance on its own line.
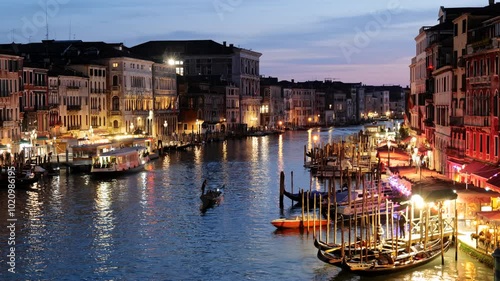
[224, 43]
[491, 2]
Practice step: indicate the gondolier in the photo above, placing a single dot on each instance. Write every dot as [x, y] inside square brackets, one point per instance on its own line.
[402, 224]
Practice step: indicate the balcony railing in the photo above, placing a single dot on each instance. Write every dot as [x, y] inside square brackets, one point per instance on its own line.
[484, 79]
[456, 121]
[115, 113]
[477, 121]
[77, 127]
[74, 107]
[42, 107]
[115, 88]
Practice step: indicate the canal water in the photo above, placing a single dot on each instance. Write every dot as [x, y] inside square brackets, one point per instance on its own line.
[148, 226]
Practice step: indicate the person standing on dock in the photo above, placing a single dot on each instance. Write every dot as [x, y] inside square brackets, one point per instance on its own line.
[402, 224]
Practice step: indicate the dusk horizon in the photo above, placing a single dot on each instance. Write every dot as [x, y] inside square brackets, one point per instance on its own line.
[371, 43]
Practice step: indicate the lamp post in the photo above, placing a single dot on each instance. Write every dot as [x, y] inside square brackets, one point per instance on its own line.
[165, 126]
[132, 128]
[388, 148]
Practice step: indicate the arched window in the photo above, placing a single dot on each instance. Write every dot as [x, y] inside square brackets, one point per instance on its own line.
[115, 80]
[115, 124]
[115, 103]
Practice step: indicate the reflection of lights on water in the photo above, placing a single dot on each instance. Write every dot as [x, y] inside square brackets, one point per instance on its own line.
[281, 165]
[224, 151]
[265, 149]
[197, 155]
[103, 222]
[255, 149]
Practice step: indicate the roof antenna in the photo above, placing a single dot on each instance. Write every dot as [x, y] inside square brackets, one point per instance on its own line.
[69, 37]
[46, 23]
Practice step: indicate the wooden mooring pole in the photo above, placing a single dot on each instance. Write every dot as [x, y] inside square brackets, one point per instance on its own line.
[282, 189]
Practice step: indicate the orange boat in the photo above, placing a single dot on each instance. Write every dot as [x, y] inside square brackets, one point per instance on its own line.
[297, 222]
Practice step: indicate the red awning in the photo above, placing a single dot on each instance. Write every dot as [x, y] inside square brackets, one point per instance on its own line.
[487, 171]
[491, 216]
[473, 167]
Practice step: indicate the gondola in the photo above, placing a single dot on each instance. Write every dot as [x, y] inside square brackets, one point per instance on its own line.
[298, 196]
[18, 180]
[320, 245]
[384, 263]
[210, 197]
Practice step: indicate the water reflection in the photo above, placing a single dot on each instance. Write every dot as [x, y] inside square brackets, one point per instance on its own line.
[103, 226]
[147, 226]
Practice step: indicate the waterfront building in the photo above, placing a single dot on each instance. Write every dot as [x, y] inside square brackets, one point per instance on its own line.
[232, 117]
[299, 106]
[206, 57]
[202, 104]
[165, 105]
[455, 151]
[319, 108]
[482, 101]
[272, 108]
[452, 103]
[97, 95]
[131, 96]
[437, 110]
[34, 107]
[10, 95]
[73, 108]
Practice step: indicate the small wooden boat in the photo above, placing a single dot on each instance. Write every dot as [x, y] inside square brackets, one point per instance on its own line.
[385, 263]
[297, 222]
[298, 196]
[14, 179]
[210, 197]
[120, 161]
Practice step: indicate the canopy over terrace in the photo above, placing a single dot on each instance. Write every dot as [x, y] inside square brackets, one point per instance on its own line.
[487, 230]
[493, 183]
[491, 217]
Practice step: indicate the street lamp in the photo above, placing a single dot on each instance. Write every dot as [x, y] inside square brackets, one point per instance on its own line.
[388, 148]
[165, 126]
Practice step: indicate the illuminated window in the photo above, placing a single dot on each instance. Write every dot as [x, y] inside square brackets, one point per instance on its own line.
[115, 64]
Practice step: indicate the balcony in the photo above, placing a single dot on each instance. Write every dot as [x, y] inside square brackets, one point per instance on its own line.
[480, 80]
[76, 127]
[477, 121]
[456, 121]
[115, 88]
[10, 124]
[115, 113]
[74, 107]
[455, 152]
